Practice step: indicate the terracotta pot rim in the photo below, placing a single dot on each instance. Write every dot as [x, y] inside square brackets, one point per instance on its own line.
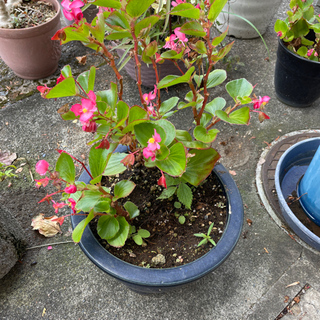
[20, 33]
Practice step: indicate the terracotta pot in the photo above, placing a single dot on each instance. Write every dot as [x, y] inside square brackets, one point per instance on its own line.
[258, 12]
[30, 52]
[148, 77]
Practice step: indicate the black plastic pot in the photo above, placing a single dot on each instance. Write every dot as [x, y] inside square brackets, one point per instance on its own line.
[145, 280]
[296, 79]
[292, 166]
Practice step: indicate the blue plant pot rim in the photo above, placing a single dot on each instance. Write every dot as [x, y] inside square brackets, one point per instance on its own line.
[168, 277]
[296, 225]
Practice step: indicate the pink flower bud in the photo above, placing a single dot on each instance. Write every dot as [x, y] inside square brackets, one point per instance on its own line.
[71, 189]
[162, 181]
[42, 167]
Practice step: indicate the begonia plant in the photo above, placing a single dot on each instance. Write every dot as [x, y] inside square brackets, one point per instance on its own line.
[183, 159]
[300, 31]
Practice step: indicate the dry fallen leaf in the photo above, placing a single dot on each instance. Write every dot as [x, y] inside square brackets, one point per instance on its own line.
[261, 161]
[265, 249]
[19, 170]
[7, 157]
[232, 172]
[82, 60]
[44, 311]
[292, 284]
[296, 299]
[286, 299]
[46, 226]
[249, 222]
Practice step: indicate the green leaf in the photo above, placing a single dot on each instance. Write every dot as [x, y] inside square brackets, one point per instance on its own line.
[143, 233]
[169, 129]
[118, 19]
[186, 10]
[115, 4]
[88, 201]
[182, 219]
[122, 235]
[168, 105]
[193, 28]
[216, 77]
[87, 78]
[172, 54]
[66, 71]
[123, 188]
[281, 26]
[175, 163]
[68, 115]
[200, 133]
[65, 88]
[132, 209]
[103, 129]
[222, 52]
[78, 230]
[184, 194]
[116, 35]
[200, 47]
[137, 239]
[109, 96]
[98, 159]
[240, 116]
[204, 241]
[137, 113]
[107, 227]
[215, 9]
[122, 113]
[114, 165]
[145, 23]
[98, 28]
[169, 81]
[214, 105]
[200, 165]
[239, 88]
[136, 8]
[217, 40]
[65, 167]
[300, 28]
[151, 48]
[183, 135]
[103, 205]
[302, 51]
[167, 193]
[162, 153]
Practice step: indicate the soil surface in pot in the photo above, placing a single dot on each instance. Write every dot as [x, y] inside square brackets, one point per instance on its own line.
[173, 240]
[31, 14]
[294, 204]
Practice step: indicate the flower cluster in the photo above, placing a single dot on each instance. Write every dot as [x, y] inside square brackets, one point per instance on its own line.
[71, 9]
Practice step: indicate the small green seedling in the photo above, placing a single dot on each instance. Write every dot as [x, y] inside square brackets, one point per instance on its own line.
[139, 236]
[206, 237]
[6, 171]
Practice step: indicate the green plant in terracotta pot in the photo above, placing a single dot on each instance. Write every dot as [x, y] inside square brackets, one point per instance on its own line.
[182, 162]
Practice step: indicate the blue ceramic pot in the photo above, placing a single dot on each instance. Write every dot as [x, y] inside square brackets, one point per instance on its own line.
[292, 165]
[145, 280]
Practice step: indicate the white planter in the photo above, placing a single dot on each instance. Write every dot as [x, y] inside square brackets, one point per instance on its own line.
[258, 12]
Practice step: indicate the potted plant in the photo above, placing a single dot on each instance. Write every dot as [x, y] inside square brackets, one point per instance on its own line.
[237, 13]
[25, 39]
[297, 71]
[180, 164]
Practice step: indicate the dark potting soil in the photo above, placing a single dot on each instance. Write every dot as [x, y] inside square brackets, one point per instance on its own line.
[294, 205]
[173, 240]
[31, 14]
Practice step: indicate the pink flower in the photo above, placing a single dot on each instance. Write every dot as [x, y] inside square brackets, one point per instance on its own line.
[261, 101]
[150, 96]
[43, 90]
[158, 58]
[90, 127]
[42, 167]
[71, 10]
[279, 34]
[151, 111]
[60, 220]
[42, 182]
[175, 3]
[153, 144]
[170, 44]
[57, 205]
[182, 37]
[71, 189]
[72, 204]
[162, 181]
[61, 78]
[86, 109]
[147, 153]
[102, 9]
[310, 52]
